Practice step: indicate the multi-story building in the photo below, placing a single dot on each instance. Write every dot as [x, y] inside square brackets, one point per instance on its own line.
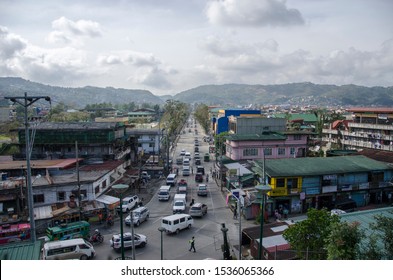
[301, 183]
[268, 144]
[148, 140]
[255, 124]
[369, 128]
[58, 188]
[221, 123]
[53, 140]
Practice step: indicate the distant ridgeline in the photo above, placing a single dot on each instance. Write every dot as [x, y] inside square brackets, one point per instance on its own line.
[223, 95]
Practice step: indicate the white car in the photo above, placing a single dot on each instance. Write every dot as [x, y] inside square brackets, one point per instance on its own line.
[337, 212]
[183, 152]
[128, 203]
[140, 240]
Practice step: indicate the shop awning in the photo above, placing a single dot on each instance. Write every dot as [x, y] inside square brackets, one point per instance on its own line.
[108, 200]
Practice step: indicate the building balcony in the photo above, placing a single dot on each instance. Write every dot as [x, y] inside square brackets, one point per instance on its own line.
[371, 126]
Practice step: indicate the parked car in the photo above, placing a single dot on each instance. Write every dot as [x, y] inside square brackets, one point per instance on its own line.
[140, 240]
[183, 152]
[337, 212]
[139, 215]
[198, 210]
[202, 190]
[199, 177]
[129, 203]
[145, 176]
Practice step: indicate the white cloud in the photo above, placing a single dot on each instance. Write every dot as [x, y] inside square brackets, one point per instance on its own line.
[253, 63]
[10, 44]
[66, 31]
[252, 13]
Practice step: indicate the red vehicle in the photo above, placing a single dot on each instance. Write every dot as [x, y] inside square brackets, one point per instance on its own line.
[182, 186]
[14, 232]
[199, 177]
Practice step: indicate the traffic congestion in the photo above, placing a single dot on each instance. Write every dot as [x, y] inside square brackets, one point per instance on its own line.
[187, 203]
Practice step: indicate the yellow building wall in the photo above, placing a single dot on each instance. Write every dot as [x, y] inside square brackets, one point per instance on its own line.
[283, 191]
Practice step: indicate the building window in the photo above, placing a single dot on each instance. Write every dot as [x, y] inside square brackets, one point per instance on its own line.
[292, 151]
[267, 151]
[281, 151]
[297, 137]
[83, 194]
[250, 152]
[280, 183]
[329, 180]
[292, 183]
[38, 198]
[61, 196]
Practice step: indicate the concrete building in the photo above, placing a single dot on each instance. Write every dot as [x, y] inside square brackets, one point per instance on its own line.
[54, 140]
[255, 125]
[267, 144]
[369, 128]
[221, 123]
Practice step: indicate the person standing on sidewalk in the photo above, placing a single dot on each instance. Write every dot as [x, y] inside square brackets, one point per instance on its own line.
[192, 244]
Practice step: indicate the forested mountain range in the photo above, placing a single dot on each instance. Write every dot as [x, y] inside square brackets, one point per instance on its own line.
[224, 95]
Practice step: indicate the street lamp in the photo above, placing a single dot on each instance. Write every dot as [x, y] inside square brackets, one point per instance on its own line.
[161, 229]
[262, 189]
[226, 252]
[120, 189]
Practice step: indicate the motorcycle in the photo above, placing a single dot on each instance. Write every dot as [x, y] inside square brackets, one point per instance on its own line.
[96, 238]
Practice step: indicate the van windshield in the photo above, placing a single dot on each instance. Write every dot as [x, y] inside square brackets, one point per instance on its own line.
[179, 203]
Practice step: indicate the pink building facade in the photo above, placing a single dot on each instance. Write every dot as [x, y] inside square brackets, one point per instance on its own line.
[272, 145]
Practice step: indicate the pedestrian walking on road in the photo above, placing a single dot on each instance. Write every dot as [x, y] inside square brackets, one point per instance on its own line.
[192, 244]
[235, 211]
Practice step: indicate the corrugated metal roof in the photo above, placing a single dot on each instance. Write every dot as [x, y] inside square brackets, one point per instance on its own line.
[21, 251]
[320, 166]
[297, 116]
[76, 126]
[367, 217]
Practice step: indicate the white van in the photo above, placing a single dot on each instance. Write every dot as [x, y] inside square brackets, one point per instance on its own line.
[171, 180]
[177, 222]
[68, 249]
[163, 193]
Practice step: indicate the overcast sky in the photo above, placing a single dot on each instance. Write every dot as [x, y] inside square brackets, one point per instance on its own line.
[168, 46]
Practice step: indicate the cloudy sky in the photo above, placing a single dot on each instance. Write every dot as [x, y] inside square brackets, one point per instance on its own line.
[167, 46]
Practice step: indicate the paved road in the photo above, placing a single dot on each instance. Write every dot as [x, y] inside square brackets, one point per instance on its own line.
[207, 230]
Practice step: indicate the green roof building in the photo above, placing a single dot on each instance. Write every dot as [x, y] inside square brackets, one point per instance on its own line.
[301, 183]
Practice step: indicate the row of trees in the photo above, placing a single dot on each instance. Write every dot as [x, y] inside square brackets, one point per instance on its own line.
[324, 236]
[174, 116]
[201, 114]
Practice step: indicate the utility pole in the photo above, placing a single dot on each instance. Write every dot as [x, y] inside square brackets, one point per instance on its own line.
[26, 101]
[78, 180]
